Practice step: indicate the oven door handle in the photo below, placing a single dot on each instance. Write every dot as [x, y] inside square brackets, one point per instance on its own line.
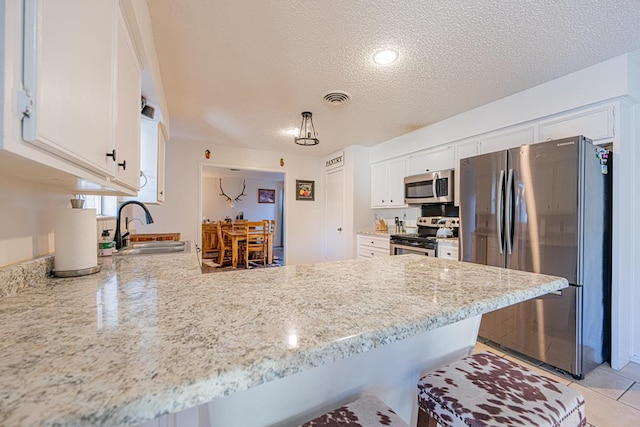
[425, 251]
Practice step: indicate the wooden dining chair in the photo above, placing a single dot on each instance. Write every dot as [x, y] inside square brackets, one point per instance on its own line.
[209, 240]
[270, 239]
[256, 242]
[224, 244]
[239, 224]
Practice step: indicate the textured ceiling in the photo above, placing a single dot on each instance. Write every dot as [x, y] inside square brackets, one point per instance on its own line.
[240, 72]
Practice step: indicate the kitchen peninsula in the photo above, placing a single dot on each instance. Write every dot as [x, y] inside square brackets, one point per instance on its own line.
[150, 335]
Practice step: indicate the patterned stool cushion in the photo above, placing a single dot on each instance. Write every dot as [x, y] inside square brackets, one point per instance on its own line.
[364, 412]
[488, 390]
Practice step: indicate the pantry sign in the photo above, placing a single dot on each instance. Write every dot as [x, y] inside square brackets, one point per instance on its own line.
[334, 161]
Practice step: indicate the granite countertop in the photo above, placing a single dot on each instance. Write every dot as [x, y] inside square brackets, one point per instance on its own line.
[150, 335]
[375, 233]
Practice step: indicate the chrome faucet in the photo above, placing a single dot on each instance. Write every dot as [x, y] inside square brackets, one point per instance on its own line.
[120, 238]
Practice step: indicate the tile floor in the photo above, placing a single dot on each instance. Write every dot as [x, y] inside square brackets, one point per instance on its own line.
[612, 397]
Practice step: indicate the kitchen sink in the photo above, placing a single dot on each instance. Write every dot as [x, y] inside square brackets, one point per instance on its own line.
[150, 248]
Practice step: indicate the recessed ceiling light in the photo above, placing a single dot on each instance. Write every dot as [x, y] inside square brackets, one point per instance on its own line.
[384, 57]
[292, 132]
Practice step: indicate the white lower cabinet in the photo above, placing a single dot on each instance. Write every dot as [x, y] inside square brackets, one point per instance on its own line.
[448, 249]
[370, 246]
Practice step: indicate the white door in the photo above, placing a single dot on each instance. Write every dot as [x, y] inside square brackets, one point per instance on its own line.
[335, 216]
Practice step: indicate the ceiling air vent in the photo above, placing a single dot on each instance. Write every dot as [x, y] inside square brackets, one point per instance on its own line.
[336, 97]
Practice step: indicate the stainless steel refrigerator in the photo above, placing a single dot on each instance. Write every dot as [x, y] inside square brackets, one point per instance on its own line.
[543, 208]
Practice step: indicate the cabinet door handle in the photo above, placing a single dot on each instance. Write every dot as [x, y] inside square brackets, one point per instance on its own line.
[112, 154]
[123, 165]
[162, 193]
[339, 228]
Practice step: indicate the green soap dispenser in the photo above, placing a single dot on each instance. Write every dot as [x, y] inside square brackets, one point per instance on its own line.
[106, 245]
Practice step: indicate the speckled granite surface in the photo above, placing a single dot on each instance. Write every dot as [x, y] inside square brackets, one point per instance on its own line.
[149, 335]
[16, 278]
[375, 233]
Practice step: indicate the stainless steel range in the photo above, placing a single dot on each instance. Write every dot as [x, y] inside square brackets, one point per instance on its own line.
[424, 241]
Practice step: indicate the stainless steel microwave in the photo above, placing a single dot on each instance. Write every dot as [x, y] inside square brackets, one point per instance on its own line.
[431, 187]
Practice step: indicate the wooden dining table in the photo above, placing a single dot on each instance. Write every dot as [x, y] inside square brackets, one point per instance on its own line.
[238, 236]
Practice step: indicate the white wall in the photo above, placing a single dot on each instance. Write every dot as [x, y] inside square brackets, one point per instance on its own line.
[631, 226]
[180, 212]
[26, 220]
[358, 213]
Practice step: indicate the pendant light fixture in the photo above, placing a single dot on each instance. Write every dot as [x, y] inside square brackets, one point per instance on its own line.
[307, 134]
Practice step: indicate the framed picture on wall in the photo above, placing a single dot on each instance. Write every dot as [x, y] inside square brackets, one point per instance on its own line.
[305, 190]
[266, 195]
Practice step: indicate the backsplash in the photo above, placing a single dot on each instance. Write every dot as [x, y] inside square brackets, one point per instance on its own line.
[18, 277]
[407, 215]
[106, 223]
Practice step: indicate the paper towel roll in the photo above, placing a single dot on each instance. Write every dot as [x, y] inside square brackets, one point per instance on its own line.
[75, 232]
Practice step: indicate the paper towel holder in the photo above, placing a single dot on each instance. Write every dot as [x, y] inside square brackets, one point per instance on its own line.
[76, 203]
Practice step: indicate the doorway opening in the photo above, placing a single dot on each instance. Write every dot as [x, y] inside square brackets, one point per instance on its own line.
[230, 193]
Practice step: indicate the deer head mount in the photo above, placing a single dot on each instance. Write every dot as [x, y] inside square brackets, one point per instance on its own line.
[231, 202]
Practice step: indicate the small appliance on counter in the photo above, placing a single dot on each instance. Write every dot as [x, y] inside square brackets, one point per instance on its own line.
[424, 242]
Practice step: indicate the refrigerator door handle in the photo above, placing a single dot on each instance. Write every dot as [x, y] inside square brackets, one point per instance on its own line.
[507, 215]
[500, 210]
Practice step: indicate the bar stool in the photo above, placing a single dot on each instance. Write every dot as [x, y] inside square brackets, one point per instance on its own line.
[367, 411]
[487, 390]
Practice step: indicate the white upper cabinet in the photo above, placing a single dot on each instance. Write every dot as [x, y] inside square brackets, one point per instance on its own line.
[72, 86]
[152, 155]
[69, 77]
[379, 186]
[397, 172]
[162, 146]
[503, 140]
[431, 161]
[387, 184]
[127, 110]
[597, 124]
